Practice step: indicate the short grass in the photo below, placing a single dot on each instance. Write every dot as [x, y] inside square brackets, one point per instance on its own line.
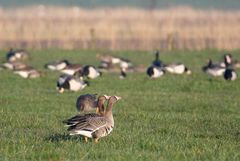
[176, 117]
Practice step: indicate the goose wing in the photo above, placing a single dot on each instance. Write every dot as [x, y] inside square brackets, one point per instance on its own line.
[88, 126]
[78, 118]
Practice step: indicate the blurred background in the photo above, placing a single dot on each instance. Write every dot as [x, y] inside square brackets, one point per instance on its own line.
[120, 24]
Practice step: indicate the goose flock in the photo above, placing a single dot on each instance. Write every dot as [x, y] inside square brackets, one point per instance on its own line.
[75, 77]
[158, 68]
[225, 69]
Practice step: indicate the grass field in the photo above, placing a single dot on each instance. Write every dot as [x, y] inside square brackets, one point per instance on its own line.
[171, 118]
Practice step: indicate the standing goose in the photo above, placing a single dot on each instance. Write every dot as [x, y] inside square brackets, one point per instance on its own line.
[88, 102]
[69, 82]
[155, 72]
[178, 68]
[99, 112]
[16, 55]
[57, 65]
[91, 72]
[213, 69]
[28, 72]
[95, 126]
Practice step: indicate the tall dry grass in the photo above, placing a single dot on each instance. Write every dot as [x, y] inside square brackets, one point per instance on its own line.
[119, 28]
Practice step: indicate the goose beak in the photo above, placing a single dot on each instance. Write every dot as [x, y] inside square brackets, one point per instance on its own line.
[118, 98]
[97, 110]
[106, 96]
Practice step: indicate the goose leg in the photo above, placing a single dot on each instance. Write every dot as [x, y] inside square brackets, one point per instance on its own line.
[96, 140]
[86, 139]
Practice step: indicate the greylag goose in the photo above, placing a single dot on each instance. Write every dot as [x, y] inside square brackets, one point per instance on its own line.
[14, 65]
[71, 83]
[71, 69]
[95, 126]
[88, 102]
[17, 55]
[28, 72]
[57, 65]
[100, 111]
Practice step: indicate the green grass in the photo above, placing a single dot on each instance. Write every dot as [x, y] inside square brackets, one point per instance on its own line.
[171, 118]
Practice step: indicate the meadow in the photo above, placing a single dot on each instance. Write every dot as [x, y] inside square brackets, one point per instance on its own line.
[175, 117]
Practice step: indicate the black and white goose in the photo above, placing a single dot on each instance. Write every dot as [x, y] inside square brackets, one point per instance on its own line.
[177, 68]
[15, 55]
[157, 62]
[28, 72]
[71, 83]
[155, 72]
[91, 72]
[93, 125]
[57, 65]
[230, 74]
[213, 69]
[89, 102]
[228, 59]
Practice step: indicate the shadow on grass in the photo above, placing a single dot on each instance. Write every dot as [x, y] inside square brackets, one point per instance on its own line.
[64, 137]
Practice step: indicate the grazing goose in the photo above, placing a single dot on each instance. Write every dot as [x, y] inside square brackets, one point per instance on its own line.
[177, 68]
[230, 74]
[155, 72]
[213, 69]
[28, 72]
[71, 69]
[17, 55]
[157, 62]
[69, 82]
[14, 65]
[91, 72]
[57, 65]
[95, 126]
[88, 102]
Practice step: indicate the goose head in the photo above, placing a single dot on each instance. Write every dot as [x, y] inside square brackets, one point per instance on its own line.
[228, 59]
[66, 62]
[100, 103]
[114, 99]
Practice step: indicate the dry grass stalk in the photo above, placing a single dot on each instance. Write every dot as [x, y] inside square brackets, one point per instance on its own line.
[119, 28]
